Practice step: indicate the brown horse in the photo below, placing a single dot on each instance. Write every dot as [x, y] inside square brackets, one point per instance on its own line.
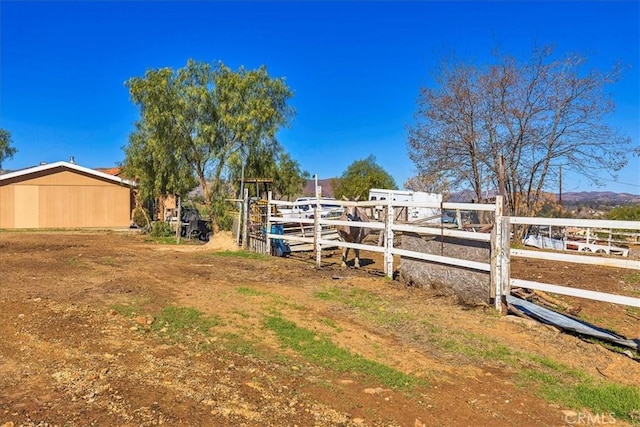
[352, 234]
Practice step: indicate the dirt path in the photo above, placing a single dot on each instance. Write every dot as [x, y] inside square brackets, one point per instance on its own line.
[83, 344]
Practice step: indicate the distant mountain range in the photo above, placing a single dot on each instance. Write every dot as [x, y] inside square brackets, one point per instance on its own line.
[608, 197]
[604, 197]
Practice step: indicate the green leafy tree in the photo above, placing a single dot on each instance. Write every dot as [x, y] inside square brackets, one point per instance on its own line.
[156, 170]
[261, 162]
[289, 178]
[251, 108]
[360, 177]
[269, 162]
[6, 149]
[194, 120]
[625, 213]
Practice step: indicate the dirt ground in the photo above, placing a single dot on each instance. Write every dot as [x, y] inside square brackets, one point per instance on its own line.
[79, 344]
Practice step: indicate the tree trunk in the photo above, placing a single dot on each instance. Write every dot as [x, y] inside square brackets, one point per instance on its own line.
[138, 205]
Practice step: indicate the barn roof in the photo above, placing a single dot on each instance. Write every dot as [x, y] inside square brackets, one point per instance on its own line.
[51, 167]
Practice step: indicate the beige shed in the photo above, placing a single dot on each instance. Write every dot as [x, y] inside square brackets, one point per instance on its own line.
[64, 195]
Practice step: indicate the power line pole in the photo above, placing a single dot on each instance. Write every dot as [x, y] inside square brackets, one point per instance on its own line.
[560, 191]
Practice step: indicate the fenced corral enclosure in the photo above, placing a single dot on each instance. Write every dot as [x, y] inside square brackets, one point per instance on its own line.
[441, 248]
[298, 231]
[471, 261]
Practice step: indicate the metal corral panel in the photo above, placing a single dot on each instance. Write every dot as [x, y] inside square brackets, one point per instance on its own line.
[305, 246]
[64, 199]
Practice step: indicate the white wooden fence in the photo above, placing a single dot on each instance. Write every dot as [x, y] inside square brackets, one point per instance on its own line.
[610, 261]
[498, 265]
[388, 227]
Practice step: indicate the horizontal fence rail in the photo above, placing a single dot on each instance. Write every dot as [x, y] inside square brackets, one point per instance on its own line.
[482, 266]
[577, 259]
[291, 237]
[575, 292]
[361, 224]
[574, 222]
[349, 245]
[471, 235]
[292, 220]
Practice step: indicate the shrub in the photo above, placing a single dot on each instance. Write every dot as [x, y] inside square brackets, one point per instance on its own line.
[161, 229]
[221, 215]
[625, 213]
[140, 217]
[225, 221]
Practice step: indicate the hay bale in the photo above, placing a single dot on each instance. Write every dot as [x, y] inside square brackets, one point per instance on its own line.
[469, 286]
[222, 241]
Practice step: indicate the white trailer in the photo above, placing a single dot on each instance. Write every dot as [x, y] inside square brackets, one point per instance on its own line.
[430, 214]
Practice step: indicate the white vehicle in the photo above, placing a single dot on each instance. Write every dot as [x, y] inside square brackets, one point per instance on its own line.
[304, 207]
[413, 213]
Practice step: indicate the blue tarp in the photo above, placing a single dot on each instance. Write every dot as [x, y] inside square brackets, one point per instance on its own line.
[568, 323]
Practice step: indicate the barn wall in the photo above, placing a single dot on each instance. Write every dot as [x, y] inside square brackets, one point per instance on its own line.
[84, 206]
[470, 286]
[6, 207]
[66, 200]
[26, 206]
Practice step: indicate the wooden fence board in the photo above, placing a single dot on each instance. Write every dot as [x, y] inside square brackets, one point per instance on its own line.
[482, 266]
[582, 293]
[575, 222]
[438, 231]
[606, 261]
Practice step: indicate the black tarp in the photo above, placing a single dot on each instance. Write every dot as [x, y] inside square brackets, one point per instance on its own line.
[567, 323]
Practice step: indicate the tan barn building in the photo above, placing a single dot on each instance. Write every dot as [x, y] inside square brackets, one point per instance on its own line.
[64, 195]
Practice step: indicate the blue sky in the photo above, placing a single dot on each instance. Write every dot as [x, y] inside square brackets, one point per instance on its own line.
[355, 68]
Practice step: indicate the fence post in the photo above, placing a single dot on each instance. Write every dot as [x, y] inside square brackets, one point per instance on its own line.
[179, 224]
[388, 241]
[381, 237]
[505, 265]
[240, 216]
[497, 259]
[317, 233]
[245, 225]
[268, 229]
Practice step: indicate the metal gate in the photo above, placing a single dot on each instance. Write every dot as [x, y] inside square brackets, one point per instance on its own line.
[257, 214]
